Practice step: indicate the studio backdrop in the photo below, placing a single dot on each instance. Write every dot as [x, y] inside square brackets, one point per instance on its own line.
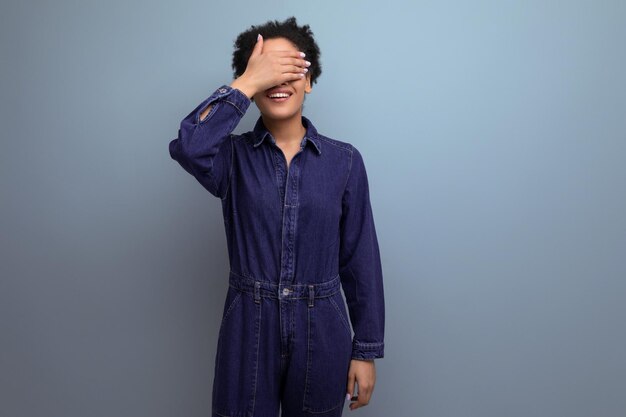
[494, 139]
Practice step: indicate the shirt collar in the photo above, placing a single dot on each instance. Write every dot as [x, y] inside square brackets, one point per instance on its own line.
[311, 135]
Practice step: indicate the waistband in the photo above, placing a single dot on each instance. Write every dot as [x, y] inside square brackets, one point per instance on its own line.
[284, 291]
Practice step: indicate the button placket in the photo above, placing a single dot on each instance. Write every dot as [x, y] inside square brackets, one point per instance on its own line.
[290, 206]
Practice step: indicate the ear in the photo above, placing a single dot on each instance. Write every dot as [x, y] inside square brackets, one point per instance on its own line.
[307, 86]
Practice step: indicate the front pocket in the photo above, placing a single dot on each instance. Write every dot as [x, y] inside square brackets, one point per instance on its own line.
[232, 296]
[329, 349]
[337, 301]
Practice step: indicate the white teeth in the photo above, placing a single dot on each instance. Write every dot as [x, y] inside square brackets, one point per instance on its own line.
[277, 95]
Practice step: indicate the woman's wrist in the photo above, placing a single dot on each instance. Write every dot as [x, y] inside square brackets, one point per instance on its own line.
[242, 85]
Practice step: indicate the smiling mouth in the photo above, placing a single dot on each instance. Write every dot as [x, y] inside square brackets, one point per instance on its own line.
[279, 97]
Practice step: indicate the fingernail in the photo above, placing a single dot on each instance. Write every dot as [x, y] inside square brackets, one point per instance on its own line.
[258, 37]
[348, 397]
[302, 54]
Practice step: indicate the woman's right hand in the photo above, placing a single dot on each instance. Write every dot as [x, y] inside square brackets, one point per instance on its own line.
[268, 69]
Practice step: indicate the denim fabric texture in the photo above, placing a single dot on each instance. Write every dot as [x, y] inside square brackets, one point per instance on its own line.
[296, 236]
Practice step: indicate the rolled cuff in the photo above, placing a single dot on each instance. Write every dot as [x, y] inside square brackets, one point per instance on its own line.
[367, 350]
[228, 94]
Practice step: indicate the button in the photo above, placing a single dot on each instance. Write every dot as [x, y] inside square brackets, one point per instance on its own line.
[286, 291]
[222, 90]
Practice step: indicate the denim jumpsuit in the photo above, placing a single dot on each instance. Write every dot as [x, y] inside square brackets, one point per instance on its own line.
[296, 235]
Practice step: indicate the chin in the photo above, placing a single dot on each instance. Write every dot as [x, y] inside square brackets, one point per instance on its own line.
[278, 114]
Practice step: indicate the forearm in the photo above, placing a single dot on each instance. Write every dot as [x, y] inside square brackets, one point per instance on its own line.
[202, 146]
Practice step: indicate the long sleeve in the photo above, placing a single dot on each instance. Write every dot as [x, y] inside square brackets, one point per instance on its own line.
[204, 148]
[360, 266]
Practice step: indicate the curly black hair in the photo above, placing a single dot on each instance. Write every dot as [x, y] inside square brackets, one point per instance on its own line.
[301, 36]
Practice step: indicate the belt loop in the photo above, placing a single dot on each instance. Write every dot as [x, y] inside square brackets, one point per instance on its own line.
[311, 295]
[257, 292]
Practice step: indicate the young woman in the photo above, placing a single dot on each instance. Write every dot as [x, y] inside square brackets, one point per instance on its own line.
[299, 227]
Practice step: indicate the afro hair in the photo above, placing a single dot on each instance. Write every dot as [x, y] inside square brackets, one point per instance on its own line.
[301, 36]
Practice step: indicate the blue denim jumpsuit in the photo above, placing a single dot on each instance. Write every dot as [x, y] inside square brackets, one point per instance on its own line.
[296, 235]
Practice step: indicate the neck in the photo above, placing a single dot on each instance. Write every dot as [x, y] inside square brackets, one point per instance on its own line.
[286, 131]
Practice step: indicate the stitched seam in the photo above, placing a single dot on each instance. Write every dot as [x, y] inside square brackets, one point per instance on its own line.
[315, 410]
[211, 176]
[232, 162]
[368, 344]
[212, 103]
[308, 359]
[230, 308]
[292, 330]
[305, 407]
[334, 143]
[234, 105]
[349, 172]
[242, 99]
[343, 320]
[312, 410]
[256, 370]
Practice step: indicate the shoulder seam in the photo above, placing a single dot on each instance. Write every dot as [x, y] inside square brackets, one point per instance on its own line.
[349, 172]
[335, 143]
[232, 162]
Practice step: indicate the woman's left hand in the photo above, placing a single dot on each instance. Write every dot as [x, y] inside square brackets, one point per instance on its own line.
[363, 372]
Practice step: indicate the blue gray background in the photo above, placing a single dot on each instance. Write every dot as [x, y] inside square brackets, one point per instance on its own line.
[494, 135]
